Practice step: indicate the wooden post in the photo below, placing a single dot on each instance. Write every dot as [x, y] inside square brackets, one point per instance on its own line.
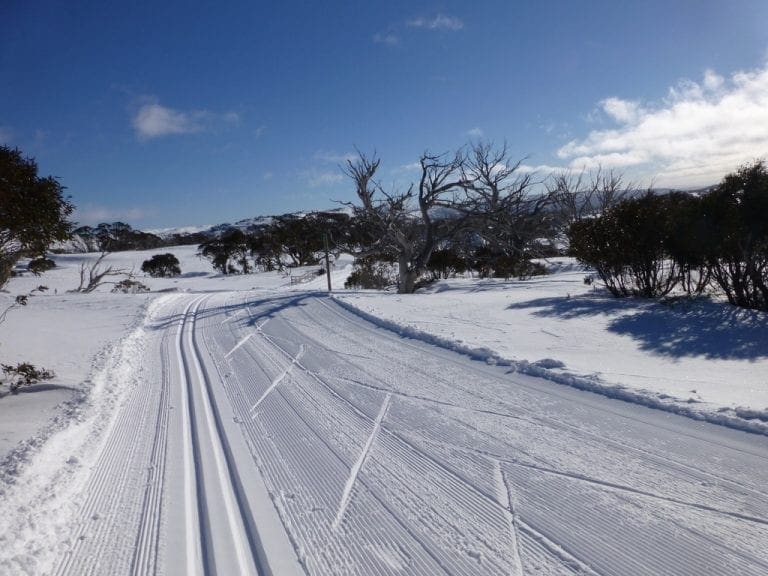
[327, 261]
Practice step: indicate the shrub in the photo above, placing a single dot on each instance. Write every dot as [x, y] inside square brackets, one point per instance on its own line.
[23, 374]
[162, 266]
[445, 263]
[736, 222]
[370, 272]
[40, 265]
[130, 286]
[628, 245]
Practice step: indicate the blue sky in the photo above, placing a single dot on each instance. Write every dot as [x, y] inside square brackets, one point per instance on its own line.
[182, 113]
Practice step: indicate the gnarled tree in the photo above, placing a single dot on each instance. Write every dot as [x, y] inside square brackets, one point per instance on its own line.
[408, 225]
[33, 210]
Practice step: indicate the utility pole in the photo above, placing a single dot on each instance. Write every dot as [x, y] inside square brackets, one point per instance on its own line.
[327, 261]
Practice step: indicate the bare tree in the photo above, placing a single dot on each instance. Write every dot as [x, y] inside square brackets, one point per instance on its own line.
[94, 275]
[508, 211]
[584, 194]
[395, 226]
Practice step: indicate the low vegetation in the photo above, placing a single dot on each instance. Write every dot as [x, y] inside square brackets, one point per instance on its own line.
[655, 244]
[162, 266]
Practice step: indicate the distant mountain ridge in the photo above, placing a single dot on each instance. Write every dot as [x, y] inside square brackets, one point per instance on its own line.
[119, 236]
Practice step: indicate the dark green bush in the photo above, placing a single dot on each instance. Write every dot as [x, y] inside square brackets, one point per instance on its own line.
[40, 265]
[162, 266]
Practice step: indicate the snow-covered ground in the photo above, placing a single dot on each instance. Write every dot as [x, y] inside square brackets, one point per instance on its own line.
[229, 423]
[700, 358]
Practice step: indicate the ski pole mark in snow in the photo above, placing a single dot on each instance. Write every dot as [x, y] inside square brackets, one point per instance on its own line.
[245, 338]
[346, 495]
[637, 491]
[564, 556]
[503, 490]
[232, 317]
[243, 341]
[280, 378]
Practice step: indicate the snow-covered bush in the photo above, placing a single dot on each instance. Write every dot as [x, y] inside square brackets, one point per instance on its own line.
[23, 374]
[129, 286]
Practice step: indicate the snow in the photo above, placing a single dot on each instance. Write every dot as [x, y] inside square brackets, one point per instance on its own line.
[700, 358]
[244, 424]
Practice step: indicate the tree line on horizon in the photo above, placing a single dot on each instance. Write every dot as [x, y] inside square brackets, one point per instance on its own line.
[472, 210]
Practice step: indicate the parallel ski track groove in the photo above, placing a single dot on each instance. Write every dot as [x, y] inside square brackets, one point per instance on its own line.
[105, 486]
[148, 538]
[238, 515]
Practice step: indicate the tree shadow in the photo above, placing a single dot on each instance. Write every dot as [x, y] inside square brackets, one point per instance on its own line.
[677, 328]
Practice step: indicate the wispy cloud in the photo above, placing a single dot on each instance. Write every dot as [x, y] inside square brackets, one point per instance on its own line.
[695, 135]
[475, 132]
[322, 178]
[386, 38]
[153, 120]
[92, 214]
[335, 157]
[438, 22]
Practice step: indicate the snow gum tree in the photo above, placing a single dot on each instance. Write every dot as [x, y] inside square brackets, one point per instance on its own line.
[33, 210]
[408, 225]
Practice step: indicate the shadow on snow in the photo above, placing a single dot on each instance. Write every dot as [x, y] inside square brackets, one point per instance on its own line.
[675, 328]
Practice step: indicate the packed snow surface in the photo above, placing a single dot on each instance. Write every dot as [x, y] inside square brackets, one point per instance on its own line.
[244, 425]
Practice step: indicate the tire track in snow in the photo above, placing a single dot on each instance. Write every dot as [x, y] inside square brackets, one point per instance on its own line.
[654, 458]
[686, 468]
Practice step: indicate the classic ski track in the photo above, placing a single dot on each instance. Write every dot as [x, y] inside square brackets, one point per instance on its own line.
[202, 414]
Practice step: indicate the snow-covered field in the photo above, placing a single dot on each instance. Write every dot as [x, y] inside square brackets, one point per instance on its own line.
[244, 425]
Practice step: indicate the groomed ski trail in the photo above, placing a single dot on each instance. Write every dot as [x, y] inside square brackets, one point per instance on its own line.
[256, 433]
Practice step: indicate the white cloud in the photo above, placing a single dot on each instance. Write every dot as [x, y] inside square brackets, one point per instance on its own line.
[620, 110]
[439, 22]
[335, 158]
[154, 120]
[322, 178]
[387, 39]
[695, 135]
[475, 132]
